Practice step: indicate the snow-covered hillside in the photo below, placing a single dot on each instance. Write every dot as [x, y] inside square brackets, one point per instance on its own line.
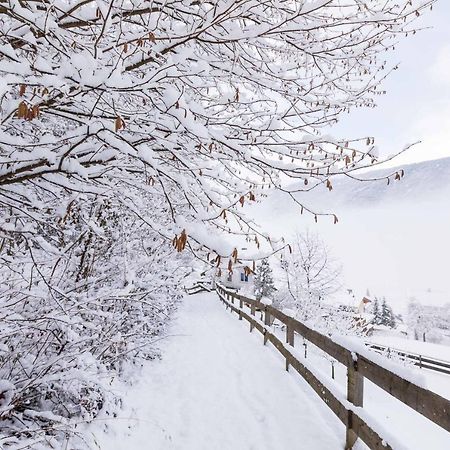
[393, 240]
[422, 181]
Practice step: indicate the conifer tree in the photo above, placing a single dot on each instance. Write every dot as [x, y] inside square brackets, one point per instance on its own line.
[376, 312]
[386, 315]
[264, 285]
[392, 321]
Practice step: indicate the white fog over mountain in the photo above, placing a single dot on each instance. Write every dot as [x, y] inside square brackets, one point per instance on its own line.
[391, 239]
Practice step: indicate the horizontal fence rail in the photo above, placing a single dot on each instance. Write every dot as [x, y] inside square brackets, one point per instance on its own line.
[424, 362]
[198, 287]
[349, 410]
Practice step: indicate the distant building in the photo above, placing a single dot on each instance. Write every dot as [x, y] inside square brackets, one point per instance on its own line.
[363, 304]
[237, 279]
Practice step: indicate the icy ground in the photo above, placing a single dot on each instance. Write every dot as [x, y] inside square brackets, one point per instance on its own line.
[218, 387]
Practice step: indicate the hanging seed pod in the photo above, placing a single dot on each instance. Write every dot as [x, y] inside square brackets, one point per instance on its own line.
[234, 255]
[119, 123]
[22, 111]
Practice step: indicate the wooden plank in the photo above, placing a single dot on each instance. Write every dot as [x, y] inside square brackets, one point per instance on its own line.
[370, 437]
[252, 312]
[290, 337]
[355, 395]
[247, 300]
[266, 322]
[290, 334]
[425, 402]
[267, 316]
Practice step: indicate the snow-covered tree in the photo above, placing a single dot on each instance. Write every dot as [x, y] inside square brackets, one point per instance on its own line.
[383, 313]
[376, 311]
[206, 104]
[311, 274]
[386, 315]
[427, 323]
[263, 280]
[417, 323]
[87, 302]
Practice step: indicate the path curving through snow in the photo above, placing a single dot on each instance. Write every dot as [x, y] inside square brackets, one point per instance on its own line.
[218, 388]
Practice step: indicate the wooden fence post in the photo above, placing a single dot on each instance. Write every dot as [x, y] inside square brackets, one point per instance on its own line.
[252, 312]
[241, 305]
[266, 316]
[355, 395]
[266, 322]
[290, 335]
[290, 340]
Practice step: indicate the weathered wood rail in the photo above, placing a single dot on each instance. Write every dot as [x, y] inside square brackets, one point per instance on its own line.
[350, 410]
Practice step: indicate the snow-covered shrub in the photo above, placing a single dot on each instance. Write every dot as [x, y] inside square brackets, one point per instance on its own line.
[87, 295]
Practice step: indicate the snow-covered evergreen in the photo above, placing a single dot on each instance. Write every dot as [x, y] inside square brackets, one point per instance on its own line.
[263, 280]
[383, 313]
[376, 311]
[387, 317]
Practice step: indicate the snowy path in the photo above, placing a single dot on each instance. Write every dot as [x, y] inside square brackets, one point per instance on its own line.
[211, 391]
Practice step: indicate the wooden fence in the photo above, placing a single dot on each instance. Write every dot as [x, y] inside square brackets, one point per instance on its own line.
[198, 287]
[349, 411]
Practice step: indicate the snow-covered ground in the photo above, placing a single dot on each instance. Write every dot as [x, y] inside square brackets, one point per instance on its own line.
[218, 387]
[436, 351]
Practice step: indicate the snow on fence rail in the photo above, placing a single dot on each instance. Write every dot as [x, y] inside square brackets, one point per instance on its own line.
[359, 366]
[424, 362]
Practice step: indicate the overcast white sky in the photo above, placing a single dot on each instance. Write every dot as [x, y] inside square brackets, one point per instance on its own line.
[417, 103]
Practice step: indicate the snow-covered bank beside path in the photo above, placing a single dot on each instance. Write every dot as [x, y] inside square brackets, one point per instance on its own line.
[218, 387]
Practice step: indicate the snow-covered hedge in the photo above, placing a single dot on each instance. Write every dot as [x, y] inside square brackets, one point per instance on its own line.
[79, 303]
